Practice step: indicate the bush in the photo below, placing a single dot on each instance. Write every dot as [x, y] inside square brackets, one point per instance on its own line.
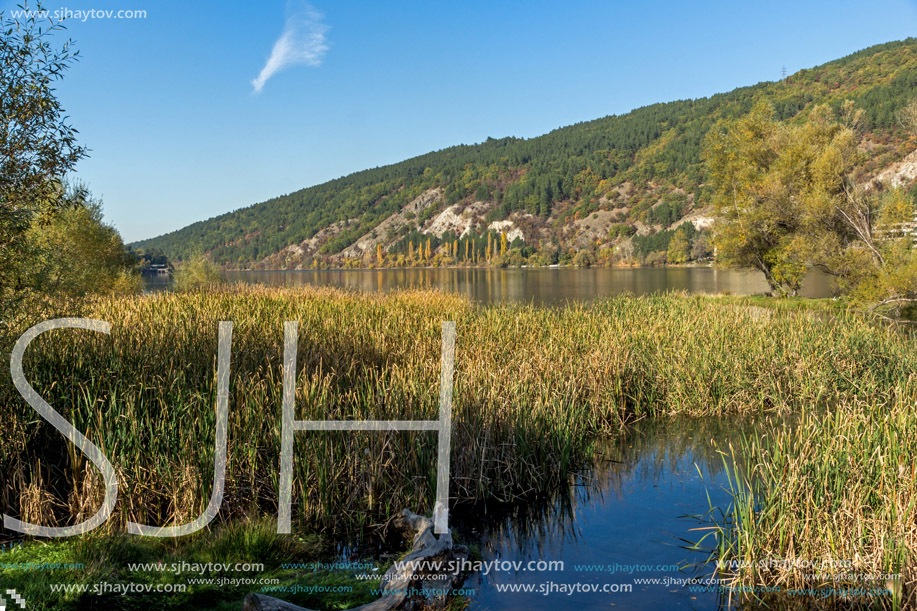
[513, 258]
[74, 254]
[584, 258]
[199, 272]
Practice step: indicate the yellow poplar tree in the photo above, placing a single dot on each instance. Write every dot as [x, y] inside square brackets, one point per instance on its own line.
[679, 248]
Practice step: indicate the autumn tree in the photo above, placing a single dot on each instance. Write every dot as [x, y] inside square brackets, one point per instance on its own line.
[37, 145]
[199, 272]
[73, 253]
[787, 202]
[679, 248]
[781, 192]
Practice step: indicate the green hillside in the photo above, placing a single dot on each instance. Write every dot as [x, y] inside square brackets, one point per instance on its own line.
[634, 173]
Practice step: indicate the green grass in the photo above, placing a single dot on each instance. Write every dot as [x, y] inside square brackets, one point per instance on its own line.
[822, 304]
[106, 560]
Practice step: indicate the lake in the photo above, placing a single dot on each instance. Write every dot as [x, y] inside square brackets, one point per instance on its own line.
[625, 523]
[536, 285]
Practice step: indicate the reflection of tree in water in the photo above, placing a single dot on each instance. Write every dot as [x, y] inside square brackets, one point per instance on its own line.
[652, 450]
[526, 526]
[654, 447]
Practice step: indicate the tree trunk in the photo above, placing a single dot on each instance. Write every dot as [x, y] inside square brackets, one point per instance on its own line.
[776, 289]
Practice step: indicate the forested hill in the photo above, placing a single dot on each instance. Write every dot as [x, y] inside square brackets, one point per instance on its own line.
[616, 184]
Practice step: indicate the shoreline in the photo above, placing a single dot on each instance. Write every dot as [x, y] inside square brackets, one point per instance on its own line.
[488, 267]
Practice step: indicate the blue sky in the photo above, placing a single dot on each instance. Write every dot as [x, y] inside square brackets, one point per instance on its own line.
[177, 133]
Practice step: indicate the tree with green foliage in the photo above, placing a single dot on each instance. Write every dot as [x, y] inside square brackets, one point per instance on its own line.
[788, 202]
[679, 250]
[658, 242]
[584, 258]
[197, 273]
[779, 192]
[620, 230]
[886, 277]
[73, 253]
[37, 145]
[670, 209]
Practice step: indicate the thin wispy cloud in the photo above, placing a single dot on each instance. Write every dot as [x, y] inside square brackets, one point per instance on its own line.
[302, 42]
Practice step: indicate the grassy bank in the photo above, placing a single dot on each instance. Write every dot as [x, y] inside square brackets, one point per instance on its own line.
[211, 570]
[534, 386]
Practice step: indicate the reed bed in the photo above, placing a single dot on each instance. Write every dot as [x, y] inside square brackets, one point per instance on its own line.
[830, 504]
[534, 388]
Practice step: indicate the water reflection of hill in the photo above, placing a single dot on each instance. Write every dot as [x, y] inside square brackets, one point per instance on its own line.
[538, 285]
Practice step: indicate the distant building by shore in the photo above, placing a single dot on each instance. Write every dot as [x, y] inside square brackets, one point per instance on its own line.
[157, 270]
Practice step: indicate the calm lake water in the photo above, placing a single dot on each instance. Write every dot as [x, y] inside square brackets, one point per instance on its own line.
[639, 508]
[538, 285]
